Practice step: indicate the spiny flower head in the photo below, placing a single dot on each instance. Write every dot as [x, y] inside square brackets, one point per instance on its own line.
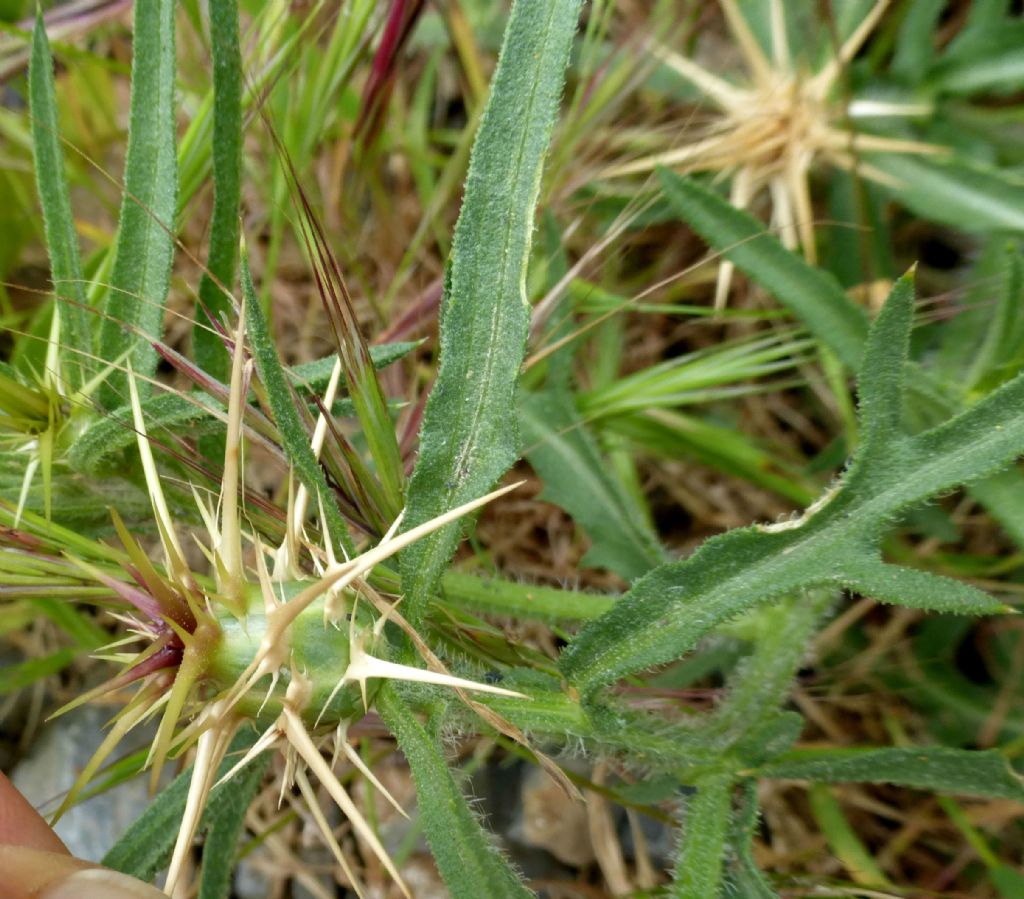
[768, 134]
[298, 649]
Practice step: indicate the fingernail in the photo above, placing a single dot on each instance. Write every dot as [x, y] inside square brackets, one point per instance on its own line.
[99, 883]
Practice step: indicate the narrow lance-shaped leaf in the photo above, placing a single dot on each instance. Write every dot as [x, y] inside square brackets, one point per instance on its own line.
[141, 273]
[575, 477]
[812, 294]
[698, 872]
[466, 856]
[468, 438]
[363, 386]
[210, 353]
[834, 542]
[742, 876]
[61, 239]
[146, 848]
[939, 768]
[965, 196]
[294, 438]
[224, 824]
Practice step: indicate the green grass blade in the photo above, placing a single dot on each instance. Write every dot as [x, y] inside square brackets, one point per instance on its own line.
[61, 239]
[23, 674]
[936, 768]
[294, 437]
[465, 855]
[810, 293]
[576, 478]
[141, 274]
[468, 437]
[843, 840]
[209, 350]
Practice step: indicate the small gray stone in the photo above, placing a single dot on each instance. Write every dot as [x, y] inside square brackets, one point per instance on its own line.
[57, 756]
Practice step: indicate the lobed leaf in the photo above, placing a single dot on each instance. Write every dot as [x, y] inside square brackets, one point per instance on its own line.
[468, 437]
[141, 275]
[835, 542]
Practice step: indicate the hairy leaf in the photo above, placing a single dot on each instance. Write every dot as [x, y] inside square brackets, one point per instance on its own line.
[698, 871]
[61, 239]
[834, 542]
[468, 437]
[294, 437]
[465, 855]
[224, 823]
[141, 274]
[742, 876]
[146, 848]
[210, 352]
[938, 768]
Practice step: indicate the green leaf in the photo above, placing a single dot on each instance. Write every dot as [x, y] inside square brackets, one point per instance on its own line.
[146, 848]
[468, 437]
[465, 854]
[812, 294]
[742, 876]
[834, 542]
[141, 274]
[105, 441]
[912, 587]
[965, 196]
[843, 840]
[881, 376]
[936, 768]
[576, 478]
[61, 239]
[224, 823]
[698, 871]
[915, 44]
[761, 683]
[23, 674]
[313, 376]
[992, 62]
[210, 352]
[498, 596]
[281, 396]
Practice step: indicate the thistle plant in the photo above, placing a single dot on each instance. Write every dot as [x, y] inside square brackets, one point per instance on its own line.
[247, 628]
